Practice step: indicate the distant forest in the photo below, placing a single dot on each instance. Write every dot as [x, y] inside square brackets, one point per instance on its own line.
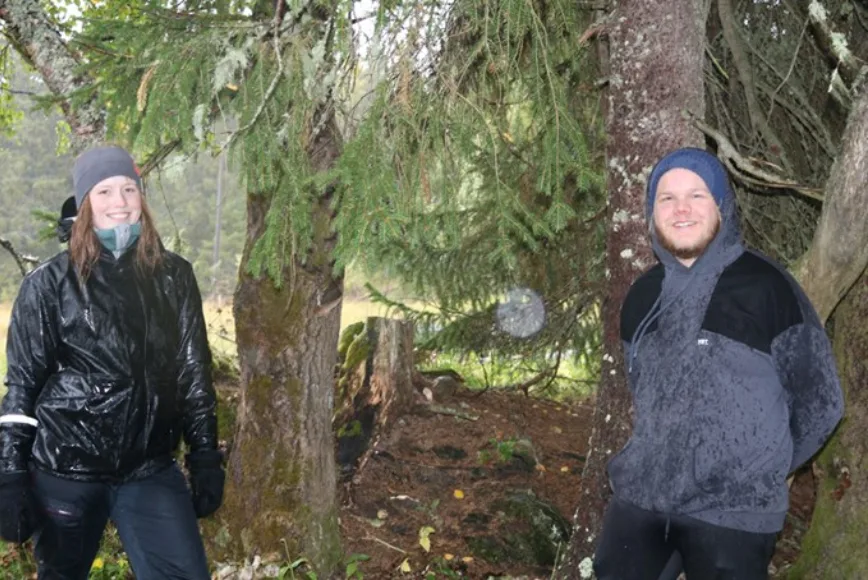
[35, 179]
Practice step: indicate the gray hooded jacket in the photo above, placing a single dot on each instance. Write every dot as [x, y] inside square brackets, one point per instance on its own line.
[733, 380]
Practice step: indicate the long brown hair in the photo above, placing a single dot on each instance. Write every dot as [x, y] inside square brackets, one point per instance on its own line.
[85, 247]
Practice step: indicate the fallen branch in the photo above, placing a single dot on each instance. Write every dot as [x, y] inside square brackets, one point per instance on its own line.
[385, 543]
[440, 410]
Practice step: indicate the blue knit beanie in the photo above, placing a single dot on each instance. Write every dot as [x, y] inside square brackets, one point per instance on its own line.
[700, 162]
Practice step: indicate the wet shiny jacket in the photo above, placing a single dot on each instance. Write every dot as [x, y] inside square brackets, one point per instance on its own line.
[115, 372]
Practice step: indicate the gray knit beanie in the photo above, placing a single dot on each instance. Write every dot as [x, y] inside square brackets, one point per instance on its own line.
[100, 163]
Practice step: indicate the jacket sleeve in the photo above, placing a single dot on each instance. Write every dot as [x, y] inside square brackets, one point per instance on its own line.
[30, 358]
[194, 362]
[806, 367]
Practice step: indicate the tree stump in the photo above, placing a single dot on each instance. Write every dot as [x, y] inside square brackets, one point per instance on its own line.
[375, 386]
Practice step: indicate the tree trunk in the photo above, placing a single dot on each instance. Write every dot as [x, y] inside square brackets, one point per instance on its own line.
[376, 387]
[35, 37]
[653, 80]
[839, 250]
[281, 480]
[833, 548]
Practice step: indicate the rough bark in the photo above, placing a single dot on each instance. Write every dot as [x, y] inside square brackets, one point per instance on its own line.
[834, 546]
[839, 251]
[653, 80]
[36, 38]
[281, 478]
[376, 387]
[837, 257]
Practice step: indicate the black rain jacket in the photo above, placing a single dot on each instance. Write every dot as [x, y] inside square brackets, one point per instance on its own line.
[115, 372]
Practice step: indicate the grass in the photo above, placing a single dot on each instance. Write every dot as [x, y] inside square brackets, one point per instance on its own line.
[221, 330]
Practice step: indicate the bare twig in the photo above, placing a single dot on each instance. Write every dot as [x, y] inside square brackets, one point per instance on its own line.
[789, 71]
[758, 121]
[440, 410]
[21, 259]
[385, 543]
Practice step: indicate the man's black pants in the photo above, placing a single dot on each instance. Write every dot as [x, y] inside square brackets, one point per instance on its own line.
[637, 544]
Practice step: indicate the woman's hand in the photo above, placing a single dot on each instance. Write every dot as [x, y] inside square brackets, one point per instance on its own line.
[18, 510]
[206, 480]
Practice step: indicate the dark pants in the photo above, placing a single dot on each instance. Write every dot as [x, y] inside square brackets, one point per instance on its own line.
[637, 544]
[154, 518]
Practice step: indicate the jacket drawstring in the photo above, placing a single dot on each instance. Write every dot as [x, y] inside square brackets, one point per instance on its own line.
[666, 532]
[649, 319]
[640, 331]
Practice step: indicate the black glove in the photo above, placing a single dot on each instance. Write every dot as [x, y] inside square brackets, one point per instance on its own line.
[206, 481]
[18, 513]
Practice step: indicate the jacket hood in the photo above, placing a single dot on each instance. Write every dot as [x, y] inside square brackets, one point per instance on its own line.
[727, 245]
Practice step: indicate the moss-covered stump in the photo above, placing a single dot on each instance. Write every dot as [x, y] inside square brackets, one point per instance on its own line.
[374, 386]
[834, 547]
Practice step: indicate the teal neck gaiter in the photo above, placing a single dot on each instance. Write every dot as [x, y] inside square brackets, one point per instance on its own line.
[118, 239]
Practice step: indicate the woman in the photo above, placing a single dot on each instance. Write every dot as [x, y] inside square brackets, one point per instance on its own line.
[108, 368]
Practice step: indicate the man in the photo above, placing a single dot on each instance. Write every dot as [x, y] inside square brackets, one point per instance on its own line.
[734, 387]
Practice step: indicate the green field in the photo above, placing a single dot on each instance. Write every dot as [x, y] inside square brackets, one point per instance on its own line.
[221, 329]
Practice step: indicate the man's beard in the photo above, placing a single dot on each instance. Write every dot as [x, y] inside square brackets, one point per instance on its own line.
[688, 252]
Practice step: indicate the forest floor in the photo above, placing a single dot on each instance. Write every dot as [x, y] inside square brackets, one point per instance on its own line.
[464, 483]
[488, 493]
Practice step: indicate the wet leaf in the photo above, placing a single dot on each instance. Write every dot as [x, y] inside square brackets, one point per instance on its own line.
[425, 537]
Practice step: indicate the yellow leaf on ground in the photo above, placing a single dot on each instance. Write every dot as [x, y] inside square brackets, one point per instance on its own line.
[425, 537]
[448, 557]
[458, 494]
[467, 559]
[98, 564]
[405, 566]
